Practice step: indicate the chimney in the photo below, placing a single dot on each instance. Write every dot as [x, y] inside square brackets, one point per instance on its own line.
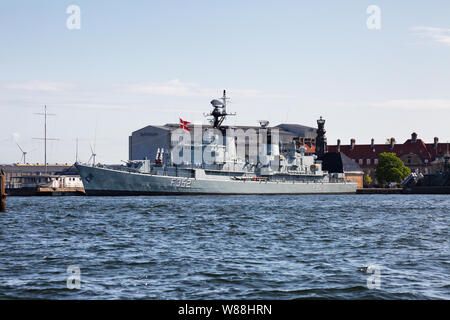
[392, 143]
[352, 144]
[372, 144]
[436, 141]
[338, 148]
[414, 137]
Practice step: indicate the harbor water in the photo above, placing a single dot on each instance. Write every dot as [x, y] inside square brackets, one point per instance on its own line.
[226, 247]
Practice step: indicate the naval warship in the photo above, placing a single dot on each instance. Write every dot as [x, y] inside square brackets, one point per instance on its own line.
[436, 183]
[218, 161]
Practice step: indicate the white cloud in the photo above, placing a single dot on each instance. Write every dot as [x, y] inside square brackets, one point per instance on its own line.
[189, 89]
[106, 106]
[39, 86]
[15, 136]
[129, 107]
[440, 35]
[118, 96]
[170, 88]
[416, 104]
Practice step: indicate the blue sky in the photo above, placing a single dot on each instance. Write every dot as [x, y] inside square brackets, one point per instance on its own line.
[134, 63]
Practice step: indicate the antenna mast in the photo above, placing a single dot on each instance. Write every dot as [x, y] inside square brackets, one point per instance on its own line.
[76, 154]
[219, 112]
[45, 114]
[224, 100]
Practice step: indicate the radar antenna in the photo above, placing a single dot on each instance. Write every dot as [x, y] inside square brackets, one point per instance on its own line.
[219, 113]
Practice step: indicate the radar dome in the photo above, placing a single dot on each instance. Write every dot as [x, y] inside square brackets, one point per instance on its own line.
[217, 103]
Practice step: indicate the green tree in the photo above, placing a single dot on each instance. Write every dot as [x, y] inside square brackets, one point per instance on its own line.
[390, 168]
[367, 180]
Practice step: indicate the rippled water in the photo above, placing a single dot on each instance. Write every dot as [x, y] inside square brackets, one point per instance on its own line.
[231, 247]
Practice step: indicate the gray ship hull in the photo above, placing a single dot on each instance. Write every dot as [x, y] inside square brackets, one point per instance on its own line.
[108, 182]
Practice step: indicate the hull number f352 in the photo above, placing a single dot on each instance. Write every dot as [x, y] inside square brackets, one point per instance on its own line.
[181, 182]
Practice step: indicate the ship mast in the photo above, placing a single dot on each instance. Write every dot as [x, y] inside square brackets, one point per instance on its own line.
[219, 112]
[224, 100]
[76, 153]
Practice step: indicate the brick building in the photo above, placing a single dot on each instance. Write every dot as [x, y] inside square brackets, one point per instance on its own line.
[419, 156]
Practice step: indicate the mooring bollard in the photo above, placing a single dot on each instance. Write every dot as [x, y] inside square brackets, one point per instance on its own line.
[2, 192]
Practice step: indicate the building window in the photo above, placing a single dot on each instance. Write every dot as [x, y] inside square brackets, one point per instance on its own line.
[368, 161]
[361, 161]
[375, 161]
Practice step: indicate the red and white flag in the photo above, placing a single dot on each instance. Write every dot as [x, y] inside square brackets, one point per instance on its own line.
[184, 125]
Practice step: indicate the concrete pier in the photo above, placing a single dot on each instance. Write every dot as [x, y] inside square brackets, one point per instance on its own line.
[41, 191]
[380, 191]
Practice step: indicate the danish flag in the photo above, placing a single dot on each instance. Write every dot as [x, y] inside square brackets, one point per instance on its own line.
[184, 125]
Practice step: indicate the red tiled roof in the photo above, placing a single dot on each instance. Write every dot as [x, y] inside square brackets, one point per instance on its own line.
[442, 149]
[418, 147]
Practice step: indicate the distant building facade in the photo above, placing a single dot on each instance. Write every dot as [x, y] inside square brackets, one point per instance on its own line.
[338, 162]
[17, 174]
[419, 156]
[144, 143]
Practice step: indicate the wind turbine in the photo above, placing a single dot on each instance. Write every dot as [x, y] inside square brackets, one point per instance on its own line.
[24, 153]
[93, 155]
